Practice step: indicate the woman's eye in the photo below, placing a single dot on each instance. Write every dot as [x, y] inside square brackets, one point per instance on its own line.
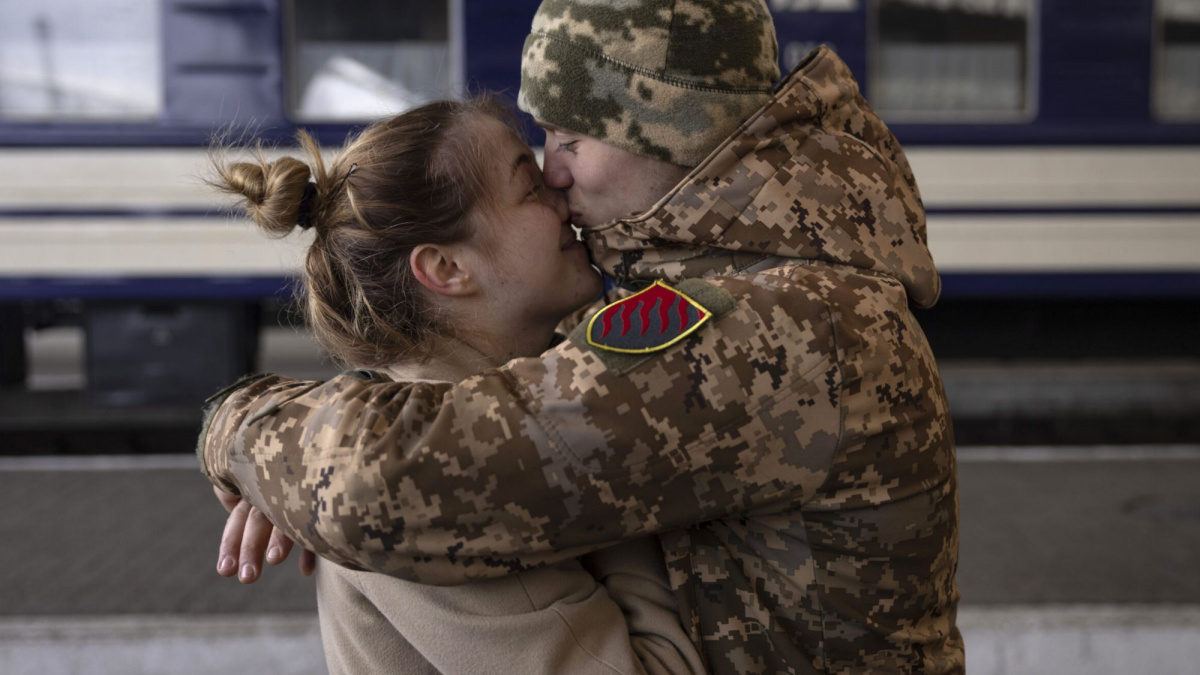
[534, 191]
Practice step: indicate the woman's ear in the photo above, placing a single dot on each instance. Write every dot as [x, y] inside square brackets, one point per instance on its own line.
[439, 269]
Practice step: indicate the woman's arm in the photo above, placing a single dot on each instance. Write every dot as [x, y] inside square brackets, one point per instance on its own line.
[635, 576]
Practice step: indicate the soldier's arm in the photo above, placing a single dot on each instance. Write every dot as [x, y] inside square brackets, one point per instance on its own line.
[547, 458]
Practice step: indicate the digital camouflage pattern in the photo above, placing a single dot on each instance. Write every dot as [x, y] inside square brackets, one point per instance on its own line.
[647, 75]
[794, 455]
[815, 175]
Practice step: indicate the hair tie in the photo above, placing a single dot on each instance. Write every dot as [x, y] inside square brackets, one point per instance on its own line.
[353, 168]
[310, 190]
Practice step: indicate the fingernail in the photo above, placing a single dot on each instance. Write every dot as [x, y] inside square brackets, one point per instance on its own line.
[273, 554]
[247, 572]
[225, 564]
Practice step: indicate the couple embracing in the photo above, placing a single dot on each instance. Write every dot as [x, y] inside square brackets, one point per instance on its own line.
[739, 461]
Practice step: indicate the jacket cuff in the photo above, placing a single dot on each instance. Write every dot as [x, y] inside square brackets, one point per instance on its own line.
[211, 405]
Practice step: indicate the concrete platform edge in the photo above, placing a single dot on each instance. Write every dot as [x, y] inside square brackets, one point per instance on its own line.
[1014, 640]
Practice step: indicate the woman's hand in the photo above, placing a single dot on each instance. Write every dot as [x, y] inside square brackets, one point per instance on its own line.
[248, 535]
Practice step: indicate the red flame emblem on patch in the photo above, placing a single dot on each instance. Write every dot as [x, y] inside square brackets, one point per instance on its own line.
[647, 321]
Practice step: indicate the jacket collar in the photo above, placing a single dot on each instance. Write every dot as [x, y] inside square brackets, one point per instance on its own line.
[814, 175]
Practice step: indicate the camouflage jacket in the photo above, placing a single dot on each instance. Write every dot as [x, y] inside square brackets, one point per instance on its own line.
[794, 454]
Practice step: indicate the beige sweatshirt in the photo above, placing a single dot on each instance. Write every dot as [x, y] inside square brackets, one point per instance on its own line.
[618, 618]
[609, 612]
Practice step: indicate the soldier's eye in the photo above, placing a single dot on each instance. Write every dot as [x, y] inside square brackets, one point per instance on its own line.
[569, 146]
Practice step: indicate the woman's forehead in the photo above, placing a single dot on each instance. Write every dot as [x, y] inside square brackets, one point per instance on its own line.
[504, 150]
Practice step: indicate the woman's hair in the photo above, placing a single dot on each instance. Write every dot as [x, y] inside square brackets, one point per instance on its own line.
[407, 180]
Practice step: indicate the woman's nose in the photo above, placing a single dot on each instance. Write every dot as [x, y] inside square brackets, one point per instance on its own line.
[558, 200]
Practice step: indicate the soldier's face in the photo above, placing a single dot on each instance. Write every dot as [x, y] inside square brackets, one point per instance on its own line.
[530, 263]
[603, 182]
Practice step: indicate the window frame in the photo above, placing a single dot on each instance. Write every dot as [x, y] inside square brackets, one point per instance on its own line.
[290, 90]
[1158, 48]
[1033, 72]
[160, 103]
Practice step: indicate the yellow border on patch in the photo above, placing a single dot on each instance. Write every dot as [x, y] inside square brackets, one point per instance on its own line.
[707, 315]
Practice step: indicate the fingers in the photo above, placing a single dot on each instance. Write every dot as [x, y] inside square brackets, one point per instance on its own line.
[248, 538]
[278, 548]
[308, 562]
[231, 539]
[227, 500]
[255, 538]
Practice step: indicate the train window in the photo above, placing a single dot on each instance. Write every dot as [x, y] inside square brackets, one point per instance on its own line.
[953, 60]
[77, 60]
[384, 57]
[1177, 86]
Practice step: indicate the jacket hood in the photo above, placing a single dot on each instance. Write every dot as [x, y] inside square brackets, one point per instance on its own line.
[813, 175]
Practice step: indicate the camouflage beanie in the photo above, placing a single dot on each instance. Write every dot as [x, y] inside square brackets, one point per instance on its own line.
[668, 79]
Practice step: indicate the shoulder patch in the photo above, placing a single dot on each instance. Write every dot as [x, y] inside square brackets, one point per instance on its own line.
[647, 321]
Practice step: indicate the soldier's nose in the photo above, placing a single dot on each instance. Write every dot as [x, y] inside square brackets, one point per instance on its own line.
[555, 174]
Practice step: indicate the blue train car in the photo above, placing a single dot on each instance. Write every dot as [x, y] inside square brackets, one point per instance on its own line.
[1055, 141]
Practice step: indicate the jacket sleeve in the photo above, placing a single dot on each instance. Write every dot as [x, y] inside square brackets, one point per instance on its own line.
[546, 458]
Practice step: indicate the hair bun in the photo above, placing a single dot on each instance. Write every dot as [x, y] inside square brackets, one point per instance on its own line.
[273, 193]
[248, 180]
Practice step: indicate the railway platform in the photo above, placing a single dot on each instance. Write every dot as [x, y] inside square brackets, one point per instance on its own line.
[1073, 560]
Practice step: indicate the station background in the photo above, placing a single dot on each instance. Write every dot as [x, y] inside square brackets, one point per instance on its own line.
[1056, 146]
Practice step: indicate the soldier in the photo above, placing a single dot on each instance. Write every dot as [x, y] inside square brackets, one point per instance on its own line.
[764, 401]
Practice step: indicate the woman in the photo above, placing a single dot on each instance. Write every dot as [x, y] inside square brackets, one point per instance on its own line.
[439, 253]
